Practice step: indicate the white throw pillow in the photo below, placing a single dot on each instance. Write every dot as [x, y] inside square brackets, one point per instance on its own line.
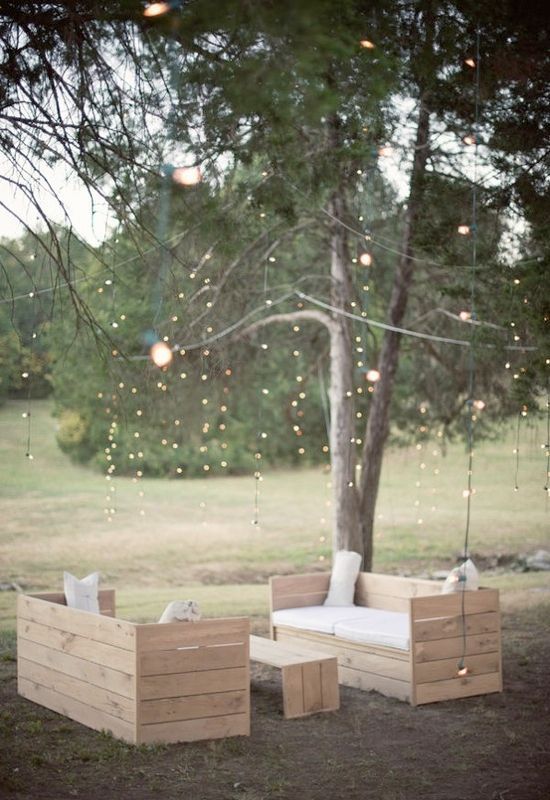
[342, 580]
[82, 594]
[181, 611]
[462, 578]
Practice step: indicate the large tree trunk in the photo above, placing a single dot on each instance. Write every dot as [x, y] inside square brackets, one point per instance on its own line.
[377, 428]
[345, 510]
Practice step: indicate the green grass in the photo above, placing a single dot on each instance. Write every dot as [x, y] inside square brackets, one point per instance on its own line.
[195, 538]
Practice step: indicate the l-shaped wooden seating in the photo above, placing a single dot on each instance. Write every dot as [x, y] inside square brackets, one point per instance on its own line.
[143, 683]
[421, 662]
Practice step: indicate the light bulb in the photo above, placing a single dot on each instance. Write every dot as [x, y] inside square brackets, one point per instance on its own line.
[464, 230]
[161, 354]
[365, 259]
[385, 151]
[470, 62]
[373, 375]
[465, 316]
[187, 176]
[469, 139]
[367, 44]
[156, 9]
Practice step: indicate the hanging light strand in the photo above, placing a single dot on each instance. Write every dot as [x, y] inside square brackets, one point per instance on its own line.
[462, 668]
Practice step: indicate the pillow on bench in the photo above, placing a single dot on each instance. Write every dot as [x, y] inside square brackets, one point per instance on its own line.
[343, 578]
[82, 594]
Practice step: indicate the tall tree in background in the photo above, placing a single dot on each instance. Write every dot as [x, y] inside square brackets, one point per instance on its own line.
[306, 95]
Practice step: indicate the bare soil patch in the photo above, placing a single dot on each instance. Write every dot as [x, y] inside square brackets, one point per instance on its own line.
[495, 747]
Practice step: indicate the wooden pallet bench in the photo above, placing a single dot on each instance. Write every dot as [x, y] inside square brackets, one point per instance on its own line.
[175, 682]
[443, 631]
[310, 680]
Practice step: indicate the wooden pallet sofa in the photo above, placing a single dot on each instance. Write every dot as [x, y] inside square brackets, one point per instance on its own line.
[143, 683]
[413, 654]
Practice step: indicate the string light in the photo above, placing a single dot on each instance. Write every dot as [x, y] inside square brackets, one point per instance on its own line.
[367, 44]
[373, 375]
[365, 259]
[153, 10]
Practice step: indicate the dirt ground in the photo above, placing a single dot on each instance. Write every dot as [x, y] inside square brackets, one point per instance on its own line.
[495, 747]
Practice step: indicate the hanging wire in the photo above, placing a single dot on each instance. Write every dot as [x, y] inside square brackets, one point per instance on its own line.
[547, 481]
[462, 669]
[516, 451]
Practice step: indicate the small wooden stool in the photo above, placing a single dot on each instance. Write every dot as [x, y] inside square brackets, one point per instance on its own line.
[310, 680]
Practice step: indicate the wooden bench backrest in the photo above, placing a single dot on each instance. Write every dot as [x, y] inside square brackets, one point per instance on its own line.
[106, 598]
[391, 592]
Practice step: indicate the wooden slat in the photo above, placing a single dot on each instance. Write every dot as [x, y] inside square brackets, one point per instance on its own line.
[82, 647]
[95, 674]
[450, 605]
[192, 659]
[190, 683]
[369, 682]
[172, 635]
[459, 687]
[196, 729]
[372, 584]
[75, 709]
[446, 627]
[354, 656]
[81, 623]
[101, 699]
[313, 692]
[196, 707]
[451, 648]
[300, 584]
[293, 691]
[106, 600]
[329, 685]
[385, 602]
[445, 669]
[298, 591]
[277, 655]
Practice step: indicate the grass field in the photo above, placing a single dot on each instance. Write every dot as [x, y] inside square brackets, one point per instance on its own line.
[195, 538]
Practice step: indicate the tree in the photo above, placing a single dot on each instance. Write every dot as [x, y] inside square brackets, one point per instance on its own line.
[298, 93]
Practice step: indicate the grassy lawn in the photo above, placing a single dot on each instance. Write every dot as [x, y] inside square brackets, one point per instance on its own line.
[195, 538]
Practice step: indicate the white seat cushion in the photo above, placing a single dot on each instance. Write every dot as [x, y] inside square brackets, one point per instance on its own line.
[387, 628]
[317, 618]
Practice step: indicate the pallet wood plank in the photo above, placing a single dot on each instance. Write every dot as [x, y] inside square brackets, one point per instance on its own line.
[448, 627]
[312, 687]
[107, 702]
[329, 685]
[371, 584]
[107, 630]
[87, 671]
[451, 648]
[106, 600]
[171, 636]
[447, 668]
[75, 709]
[192, 659]
[190, 683]
[196, 729]
[293, 691]
[369, 682]
[356, 657]
[80, 646]
[450, 605]
[458, 687]
[194, 707]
